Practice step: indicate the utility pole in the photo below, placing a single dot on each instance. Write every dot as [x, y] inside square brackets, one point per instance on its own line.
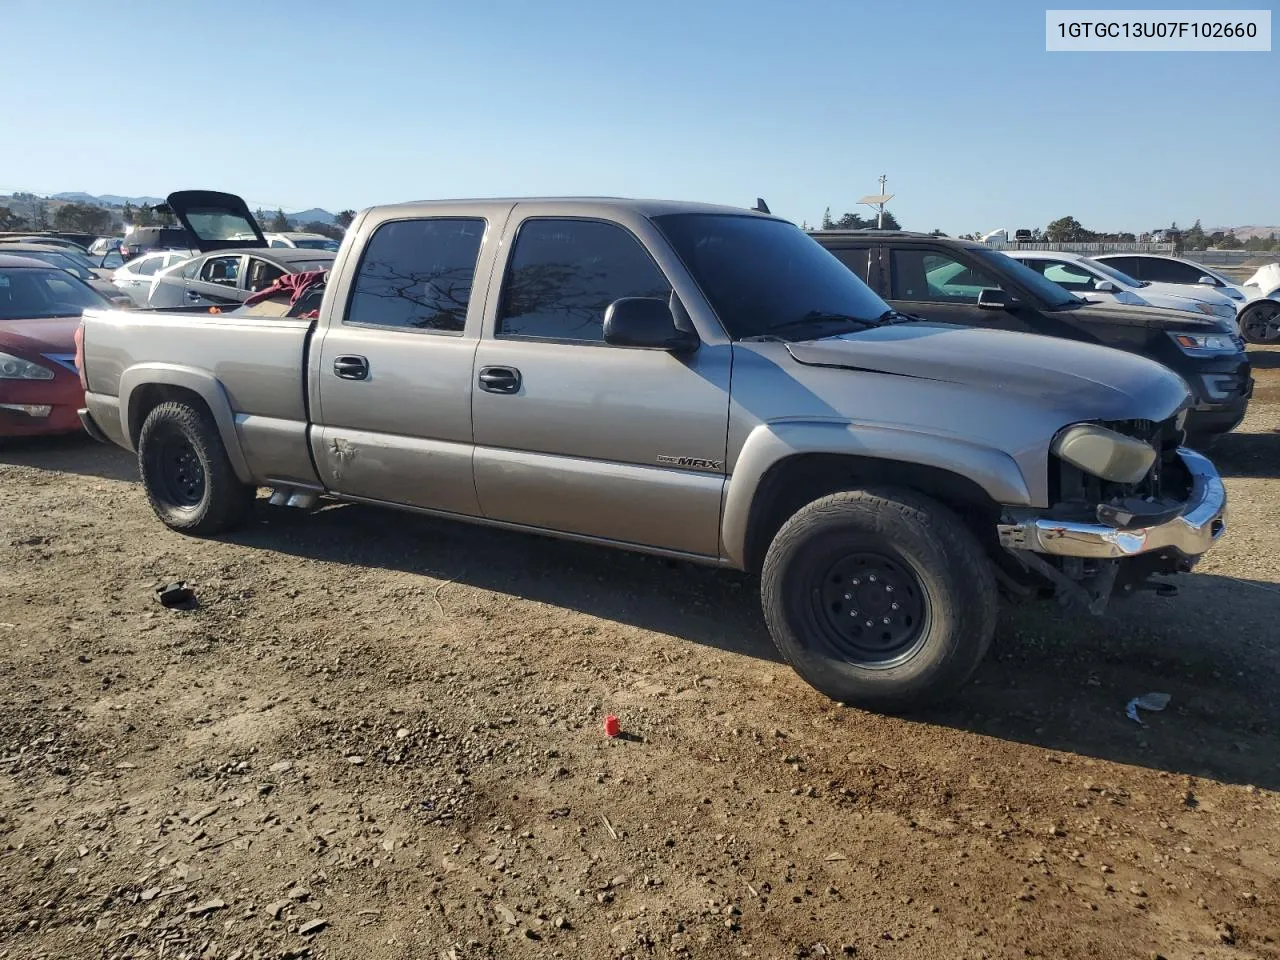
[878, 201]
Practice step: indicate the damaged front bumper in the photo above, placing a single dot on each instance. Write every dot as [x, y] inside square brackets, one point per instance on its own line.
[1191, 533]
[1087, 562]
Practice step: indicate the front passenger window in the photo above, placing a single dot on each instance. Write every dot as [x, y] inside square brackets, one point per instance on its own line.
[933, 276]
[224, 271]
[563, 275]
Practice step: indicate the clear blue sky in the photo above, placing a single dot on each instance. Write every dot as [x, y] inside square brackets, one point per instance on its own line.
[347, 103]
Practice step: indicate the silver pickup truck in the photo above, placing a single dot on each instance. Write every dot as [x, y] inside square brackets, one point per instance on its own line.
[695, 381]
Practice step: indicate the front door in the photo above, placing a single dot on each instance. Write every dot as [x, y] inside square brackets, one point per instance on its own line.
[940, 284]
[578, 436]
[394, 375]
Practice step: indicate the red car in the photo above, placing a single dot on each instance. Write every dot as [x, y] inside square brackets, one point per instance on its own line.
[40, 307]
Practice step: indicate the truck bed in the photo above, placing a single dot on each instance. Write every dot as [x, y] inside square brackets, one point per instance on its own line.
[249, 370]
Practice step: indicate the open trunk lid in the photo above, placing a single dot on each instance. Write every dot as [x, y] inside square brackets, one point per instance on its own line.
[216, 221]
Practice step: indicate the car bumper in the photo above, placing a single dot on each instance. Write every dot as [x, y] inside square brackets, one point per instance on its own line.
[33, 423]
[1191, 533]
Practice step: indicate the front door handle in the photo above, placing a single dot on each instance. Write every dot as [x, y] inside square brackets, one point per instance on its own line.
[192, 295]
[500, 379]
[351, 367]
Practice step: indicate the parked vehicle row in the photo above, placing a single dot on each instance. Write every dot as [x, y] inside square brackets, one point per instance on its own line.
[965, 282]
[699, 382]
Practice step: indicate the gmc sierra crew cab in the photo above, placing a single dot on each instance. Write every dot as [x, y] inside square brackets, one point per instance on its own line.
[695, 381]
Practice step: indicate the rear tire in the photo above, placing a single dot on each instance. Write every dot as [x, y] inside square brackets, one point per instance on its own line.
[880, 598]
[186, 472]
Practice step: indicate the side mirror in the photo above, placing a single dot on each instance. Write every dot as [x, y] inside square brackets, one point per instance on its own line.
[646, 322]
[1208, 281]
[1105, 286]
[993, 299]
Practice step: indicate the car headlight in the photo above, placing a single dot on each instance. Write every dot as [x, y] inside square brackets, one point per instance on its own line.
[1104, 453]
[15, 368]
[1204, 344]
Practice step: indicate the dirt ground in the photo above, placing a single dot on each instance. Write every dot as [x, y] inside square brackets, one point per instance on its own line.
[379, 736]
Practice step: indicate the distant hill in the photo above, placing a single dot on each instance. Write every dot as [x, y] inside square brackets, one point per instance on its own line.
[314, 215]
[106, 199]
[1246, 232]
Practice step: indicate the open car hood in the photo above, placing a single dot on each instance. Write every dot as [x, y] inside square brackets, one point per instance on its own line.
[215, 221]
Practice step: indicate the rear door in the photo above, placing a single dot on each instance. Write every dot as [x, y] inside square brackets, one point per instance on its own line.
[218, 281]
[392, 376]
[579, 436]
[943, 284]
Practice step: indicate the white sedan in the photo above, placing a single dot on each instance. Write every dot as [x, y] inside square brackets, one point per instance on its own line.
[135, 277]
[1100, 283]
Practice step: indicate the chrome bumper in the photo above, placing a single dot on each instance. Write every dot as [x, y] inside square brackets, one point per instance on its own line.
[1192, 533]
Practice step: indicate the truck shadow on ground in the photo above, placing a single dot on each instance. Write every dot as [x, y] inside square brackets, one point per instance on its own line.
[1247, 455]
[1055, 679]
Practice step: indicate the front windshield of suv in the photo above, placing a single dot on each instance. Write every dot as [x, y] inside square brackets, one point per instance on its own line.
[767, 277]
[1115, 274]
[34, 293]
[1048, 291]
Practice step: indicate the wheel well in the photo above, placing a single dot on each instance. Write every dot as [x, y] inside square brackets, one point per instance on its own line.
[149, 396]
[796, 481]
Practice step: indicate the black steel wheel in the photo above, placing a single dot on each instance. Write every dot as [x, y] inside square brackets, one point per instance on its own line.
[179, 471]
[881, 598]
[186, 472]
[871, 609]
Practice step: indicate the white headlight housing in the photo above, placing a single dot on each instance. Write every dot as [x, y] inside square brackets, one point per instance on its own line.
[15, 368]
[1104, 453]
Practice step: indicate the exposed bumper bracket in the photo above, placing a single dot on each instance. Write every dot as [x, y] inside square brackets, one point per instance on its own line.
[1201, 522]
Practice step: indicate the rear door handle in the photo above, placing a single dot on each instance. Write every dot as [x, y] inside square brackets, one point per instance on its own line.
[351, 367]
[500, 379]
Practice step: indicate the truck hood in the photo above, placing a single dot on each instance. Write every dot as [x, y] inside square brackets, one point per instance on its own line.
[1090, 382]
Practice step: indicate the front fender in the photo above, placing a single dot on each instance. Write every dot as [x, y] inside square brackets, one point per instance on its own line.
[200, 382]
[769, 443]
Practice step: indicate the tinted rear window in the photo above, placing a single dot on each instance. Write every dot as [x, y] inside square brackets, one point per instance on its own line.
[415, 274]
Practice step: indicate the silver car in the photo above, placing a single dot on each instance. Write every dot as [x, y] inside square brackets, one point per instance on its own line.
[229, 277]
[134, 278]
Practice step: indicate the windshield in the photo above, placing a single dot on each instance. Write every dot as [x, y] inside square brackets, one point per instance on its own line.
[31, 293]
[1048, 291]
[317, 243]
[1114, 274]
[763, 275]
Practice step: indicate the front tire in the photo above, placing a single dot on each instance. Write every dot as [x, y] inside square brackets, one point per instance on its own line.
[185, 470]
[1260, 323]
[879, 598]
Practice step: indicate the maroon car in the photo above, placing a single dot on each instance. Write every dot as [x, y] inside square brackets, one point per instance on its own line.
[40, 309]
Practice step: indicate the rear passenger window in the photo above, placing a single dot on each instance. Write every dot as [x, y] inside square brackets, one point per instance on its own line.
[857, 259]
[564, 274]
[418, 274]
[147, 266]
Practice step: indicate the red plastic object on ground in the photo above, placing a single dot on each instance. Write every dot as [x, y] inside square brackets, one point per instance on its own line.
[611, 726]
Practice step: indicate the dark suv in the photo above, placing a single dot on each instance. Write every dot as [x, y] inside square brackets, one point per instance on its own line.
[963, 282]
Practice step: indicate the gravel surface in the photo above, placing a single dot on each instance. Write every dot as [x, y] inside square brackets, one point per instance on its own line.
[380, 736]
